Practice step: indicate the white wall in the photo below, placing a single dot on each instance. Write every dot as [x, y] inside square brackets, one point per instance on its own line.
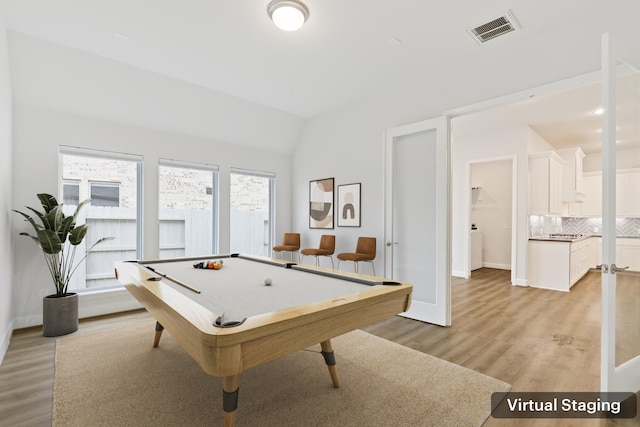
[6, 188]
[512, 143]
[467, 149]
[491, 209]
[625, 159]
[59, 78]
[37, 135]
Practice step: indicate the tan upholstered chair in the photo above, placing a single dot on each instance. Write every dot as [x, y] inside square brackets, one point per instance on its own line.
[365, 251]
[290, 243]
[327, 248]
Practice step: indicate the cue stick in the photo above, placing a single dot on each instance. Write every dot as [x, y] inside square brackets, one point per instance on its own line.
[172, 279]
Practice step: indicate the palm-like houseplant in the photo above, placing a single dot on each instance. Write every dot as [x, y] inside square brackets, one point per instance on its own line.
[58, 236]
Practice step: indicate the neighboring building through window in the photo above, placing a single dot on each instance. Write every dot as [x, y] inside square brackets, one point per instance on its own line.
[252, 211]
[113, 182]
[188, 200]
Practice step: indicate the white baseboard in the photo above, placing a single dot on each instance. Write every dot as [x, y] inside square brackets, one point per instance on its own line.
[521, 282]
[462, 274]
[496, 266]
[6, 340]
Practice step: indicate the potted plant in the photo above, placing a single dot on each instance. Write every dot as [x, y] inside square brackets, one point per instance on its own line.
[58, 236]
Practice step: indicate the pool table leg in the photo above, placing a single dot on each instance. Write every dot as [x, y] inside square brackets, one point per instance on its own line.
[329, 358]
[159, 329]
[230, 386]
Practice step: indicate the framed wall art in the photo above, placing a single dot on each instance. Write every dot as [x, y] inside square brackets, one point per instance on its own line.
[321, 203]
[349, 205]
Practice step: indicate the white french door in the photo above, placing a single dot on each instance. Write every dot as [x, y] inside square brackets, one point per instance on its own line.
[620, 356]
[417, 248]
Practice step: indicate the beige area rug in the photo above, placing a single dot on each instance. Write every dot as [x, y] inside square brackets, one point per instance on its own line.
[116, 378]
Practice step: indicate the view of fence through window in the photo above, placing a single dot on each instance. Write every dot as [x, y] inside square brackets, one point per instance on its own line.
[251, 213]
[188, 222]
[112, 184]
[187, 196]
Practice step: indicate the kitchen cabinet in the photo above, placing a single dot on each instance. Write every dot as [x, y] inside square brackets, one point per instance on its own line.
[559, 265]
[627, 194]
[627, 252]
[627, 191]
[545, 183]
[592, 189]
[572, 174]
[583, 257]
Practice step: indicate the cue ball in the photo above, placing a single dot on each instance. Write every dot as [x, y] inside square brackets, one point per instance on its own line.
[267, 281]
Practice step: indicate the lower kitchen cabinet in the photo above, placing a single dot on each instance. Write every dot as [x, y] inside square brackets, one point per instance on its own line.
[559, 265]
[627, 252]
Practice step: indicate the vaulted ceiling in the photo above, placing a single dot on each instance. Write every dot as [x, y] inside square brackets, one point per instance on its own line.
[346, 51]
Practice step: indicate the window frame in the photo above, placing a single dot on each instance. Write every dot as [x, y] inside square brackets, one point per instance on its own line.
[111, 155]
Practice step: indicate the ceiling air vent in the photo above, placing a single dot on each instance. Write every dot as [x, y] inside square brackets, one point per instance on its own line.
[492, 29]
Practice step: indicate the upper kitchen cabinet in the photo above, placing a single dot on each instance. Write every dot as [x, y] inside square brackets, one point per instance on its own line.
[628, 194]
[545, 183]
[572, 189]
[592, 187]
[627, 191]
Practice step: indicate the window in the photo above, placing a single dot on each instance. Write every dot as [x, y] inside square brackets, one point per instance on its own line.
[113, 181]
[105, 194]
[188, 200]
[71, 193]
[252, 214]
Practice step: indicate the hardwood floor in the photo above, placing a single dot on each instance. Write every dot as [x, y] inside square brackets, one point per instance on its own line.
[534, 339]
[26, 374]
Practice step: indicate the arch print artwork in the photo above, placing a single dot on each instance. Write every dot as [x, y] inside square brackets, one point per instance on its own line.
[349, 205]
[321, 203]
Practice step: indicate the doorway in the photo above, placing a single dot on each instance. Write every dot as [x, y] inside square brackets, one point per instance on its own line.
[491, 214]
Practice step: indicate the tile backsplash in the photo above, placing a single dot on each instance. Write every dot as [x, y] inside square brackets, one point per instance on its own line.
[624, 226]
[541, 225]
[544, 225]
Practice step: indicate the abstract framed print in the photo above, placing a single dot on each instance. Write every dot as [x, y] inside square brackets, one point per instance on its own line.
[321, 203]
[349, 205]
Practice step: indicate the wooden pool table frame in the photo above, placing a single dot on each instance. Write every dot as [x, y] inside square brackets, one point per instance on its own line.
[226, 352]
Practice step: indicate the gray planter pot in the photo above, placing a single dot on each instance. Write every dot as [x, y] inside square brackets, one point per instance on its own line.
[59, 315]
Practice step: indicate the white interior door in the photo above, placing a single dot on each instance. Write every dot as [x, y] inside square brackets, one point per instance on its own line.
[417, 248]
[620, 362]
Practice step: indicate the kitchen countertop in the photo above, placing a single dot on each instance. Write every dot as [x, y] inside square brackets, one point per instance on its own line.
[577, 239]
[560, 239]
[623, 236]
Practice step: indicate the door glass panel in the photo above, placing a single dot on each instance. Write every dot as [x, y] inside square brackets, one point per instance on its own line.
[414, 213]
[627, 213]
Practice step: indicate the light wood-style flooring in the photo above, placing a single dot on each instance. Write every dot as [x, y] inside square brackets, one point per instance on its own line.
[534, 339]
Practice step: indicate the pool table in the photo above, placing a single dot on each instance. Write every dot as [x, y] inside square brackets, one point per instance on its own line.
[254, 309]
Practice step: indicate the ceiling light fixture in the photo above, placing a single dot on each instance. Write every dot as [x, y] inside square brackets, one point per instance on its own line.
[288, 15]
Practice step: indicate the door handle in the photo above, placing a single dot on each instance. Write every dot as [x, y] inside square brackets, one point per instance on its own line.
[615, 268]
[390, 243]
